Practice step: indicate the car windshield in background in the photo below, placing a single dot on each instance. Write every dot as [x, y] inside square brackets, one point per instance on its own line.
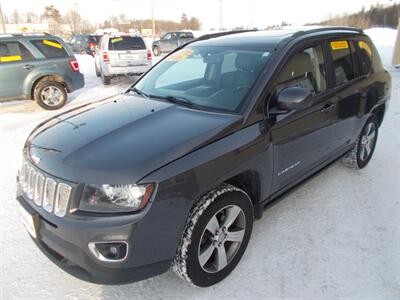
[211, 77]
[121, 43]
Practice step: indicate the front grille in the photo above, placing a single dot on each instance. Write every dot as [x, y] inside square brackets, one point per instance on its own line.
[44, 191]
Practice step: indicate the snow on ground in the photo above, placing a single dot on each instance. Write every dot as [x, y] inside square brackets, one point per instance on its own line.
[337, 236]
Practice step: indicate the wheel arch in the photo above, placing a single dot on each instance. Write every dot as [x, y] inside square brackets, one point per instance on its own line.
[379, 111]
[56, 78]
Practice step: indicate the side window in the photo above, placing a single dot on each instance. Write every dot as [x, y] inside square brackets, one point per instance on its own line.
[342, 61]
[305, 69]
[50, 48]
[167, 36]
[73, 40]
[228, 63]
[365, 55]
[14, 51]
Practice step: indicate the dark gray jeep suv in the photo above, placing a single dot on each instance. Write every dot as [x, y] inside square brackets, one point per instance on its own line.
[173, 172]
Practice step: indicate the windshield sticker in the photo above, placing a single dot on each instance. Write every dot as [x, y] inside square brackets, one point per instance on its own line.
[180, 55]
[10, 58]
[366, 47]
[52, 44]
[339, 45]
[116, 40]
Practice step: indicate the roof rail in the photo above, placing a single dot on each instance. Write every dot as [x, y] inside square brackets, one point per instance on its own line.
[222, 33]
[24, 34]
[327, 28]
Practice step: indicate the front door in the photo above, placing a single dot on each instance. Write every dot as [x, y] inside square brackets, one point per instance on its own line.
[15, 65]
[304, 139]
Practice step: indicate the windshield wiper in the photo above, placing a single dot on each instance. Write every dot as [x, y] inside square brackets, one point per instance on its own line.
[137, 91]
[177, 100]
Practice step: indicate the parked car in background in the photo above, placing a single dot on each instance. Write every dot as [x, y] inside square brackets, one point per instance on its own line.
[121, 54]
[41, 67]
[170, 41]
[84, 43]
[173, 171]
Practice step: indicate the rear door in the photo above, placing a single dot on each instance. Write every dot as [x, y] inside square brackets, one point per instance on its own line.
[16, 62]
[304, 139]
[125, 51]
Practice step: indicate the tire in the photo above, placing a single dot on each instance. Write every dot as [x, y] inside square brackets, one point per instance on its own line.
[105, 79]
[50, 95]
[364, 146]
[83, 52]
[156, 51]
[196, 260]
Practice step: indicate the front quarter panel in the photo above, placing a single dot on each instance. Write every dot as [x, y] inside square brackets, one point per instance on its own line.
[183, 181]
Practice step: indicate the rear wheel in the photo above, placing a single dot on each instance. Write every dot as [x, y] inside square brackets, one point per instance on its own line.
[105, 79]
[215, 237]
[364, 147]
[50, 95]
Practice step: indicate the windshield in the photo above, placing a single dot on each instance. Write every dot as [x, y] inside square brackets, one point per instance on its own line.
[211, 77]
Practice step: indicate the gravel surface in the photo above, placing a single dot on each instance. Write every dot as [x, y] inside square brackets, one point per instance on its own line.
[337, 236]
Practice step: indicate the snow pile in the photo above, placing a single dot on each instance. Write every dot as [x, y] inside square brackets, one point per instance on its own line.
[384, 40]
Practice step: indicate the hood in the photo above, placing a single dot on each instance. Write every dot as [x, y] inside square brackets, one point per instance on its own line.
[123, 139]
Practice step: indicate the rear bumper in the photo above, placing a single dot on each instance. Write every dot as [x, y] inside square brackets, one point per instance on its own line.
[75, 82]
[109, 70]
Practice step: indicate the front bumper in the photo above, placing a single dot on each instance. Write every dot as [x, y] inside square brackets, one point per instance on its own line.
[65, 242]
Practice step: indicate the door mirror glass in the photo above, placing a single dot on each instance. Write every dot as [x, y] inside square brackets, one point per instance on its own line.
[294, 98]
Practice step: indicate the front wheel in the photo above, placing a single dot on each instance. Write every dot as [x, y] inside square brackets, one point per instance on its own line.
[215, 237]
[364, 147]
[105, 79]
[156, 51]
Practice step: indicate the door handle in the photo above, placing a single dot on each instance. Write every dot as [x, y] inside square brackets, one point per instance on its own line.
[28, 67]
[328, 107]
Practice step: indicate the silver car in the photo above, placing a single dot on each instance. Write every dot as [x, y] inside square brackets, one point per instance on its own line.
[121, 54]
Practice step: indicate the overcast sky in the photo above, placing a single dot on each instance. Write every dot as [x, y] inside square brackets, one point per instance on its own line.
[247, 13]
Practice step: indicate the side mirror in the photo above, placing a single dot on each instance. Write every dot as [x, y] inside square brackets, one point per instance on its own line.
[294, 98]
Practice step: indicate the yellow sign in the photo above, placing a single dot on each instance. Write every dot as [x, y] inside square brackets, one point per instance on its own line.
[180, 55]
[10, 58]
[52, 44]
[339, 45]
[116, 40]
[366, 47]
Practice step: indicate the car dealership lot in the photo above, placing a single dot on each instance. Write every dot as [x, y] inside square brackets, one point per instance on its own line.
[336, 236]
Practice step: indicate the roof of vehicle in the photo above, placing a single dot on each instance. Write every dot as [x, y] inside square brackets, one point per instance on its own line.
[264, 38]
[15, 36]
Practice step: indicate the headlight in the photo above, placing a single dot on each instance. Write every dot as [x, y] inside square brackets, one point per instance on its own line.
[115, 198]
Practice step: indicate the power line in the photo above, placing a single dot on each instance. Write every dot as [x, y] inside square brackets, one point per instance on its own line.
[2, 20]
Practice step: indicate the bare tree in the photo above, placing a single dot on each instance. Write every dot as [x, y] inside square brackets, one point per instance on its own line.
[53, 16]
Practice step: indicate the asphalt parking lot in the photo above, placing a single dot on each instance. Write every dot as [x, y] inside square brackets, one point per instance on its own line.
[337, 236]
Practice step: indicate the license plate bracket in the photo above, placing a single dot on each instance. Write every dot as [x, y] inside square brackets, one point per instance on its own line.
[30, 221]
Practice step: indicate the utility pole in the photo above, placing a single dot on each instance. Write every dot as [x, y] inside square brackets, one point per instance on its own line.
[153, 29]
[3, 22]
[220, 15]
[396, 52]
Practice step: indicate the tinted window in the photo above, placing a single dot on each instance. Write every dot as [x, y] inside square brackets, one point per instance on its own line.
[186, 35]
[50, 48]
[342, 60]
[14, 51]
[305, 69]
[365, 57]
[194, 75]
[126, 43]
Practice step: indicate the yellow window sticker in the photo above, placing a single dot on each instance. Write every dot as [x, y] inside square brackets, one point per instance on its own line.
[52, 44]
[366, 47]
[339, 45]
[180, 55]
[116, 40]
[10, 58]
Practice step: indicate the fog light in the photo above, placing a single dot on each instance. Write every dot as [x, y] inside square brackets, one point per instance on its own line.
[109, 251]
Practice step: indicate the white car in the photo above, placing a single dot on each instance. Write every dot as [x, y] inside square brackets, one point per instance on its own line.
[121, 54]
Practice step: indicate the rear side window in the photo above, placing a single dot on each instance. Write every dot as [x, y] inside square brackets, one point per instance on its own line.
[126, 43]
[365, 55]
[13, 52]
[50, 48]
[305, 69]
[342, 61]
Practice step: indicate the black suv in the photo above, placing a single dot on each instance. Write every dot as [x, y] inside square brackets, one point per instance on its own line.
[84, 43]
[173, 172]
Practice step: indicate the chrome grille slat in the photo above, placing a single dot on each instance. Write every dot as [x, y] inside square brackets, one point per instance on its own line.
[51, 195]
